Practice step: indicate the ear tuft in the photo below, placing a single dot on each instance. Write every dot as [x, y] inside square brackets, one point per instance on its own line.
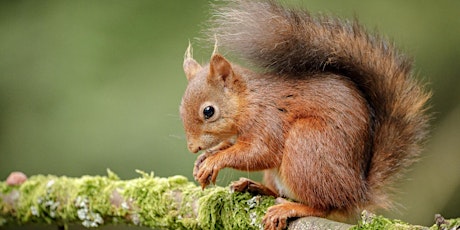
[219, 67]
[191, 67]
[215, 51]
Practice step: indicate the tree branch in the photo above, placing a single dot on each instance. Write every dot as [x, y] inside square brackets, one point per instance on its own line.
[171, 203]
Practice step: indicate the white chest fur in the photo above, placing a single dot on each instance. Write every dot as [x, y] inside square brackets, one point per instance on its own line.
[280, 186]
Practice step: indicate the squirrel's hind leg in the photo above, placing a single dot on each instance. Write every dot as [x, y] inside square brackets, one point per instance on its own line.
[248, 185]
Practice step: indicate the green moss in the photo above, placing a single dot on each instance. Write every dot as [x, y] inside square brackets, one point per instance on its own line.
[92, 200]
[173, 203]
[169, 203]
[370, 221]
[222, 209]
[51, 199]
[153, 201]
[441, 223]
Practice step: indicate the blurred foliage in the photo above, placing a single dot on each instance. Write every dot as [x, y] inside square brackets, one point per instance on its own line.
[90, 85]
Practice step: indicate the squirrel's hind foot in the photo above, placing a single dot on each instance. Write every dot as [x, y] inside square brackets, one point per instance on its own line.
[277, 215]
[248, 185]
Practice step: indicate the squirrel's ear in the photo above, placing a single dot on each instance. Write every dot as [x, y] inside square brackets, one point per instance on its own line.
[191, 67]
[219, 68]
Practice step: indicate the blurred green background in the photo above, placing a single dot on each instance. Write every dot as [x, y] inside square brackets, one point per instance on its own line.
[91, 85]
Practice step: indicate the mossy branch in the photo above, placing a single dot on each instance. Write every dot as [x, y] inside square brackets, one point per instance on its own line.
[170, 203]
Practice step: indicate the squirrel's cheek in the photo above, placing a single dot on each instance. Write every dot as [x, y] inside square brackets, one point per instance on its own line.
[208, 141]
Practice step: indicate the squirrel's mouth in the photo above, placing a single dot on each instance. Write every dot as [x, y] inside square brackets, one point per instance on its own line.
[195, 146]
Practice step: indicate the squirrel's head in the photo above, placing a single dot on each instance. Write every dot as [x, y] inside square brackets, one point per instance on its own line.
[211, 103]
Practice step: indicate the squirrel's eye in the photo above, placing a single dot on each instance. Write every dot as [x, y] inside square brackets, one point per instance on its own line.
[208, 112]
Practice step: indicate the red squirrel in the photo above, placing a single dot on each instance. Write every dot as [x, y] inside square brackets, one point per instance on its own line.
[332, 114]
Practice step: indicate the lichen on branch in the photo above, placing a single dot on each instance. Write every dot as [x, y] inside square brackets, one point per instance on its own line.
[150, 201]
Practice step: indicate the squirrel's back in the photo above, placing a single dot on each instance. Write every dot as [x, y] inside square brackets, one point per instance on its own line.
[294, 43]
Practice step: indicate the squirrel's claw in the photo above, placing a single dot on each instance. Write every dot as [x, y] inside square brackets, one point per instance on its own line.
[277, 216]
[206, 170]
[274, 219]
[248, 185]
[205, 176]
[199, 160]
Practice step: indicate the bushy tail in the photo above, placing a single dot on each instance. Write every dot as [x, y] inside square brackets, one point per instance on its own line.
[293, 42]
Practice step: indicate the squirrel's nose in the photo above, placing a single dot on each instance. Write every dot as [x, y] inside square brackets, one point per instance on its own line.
[193, 148]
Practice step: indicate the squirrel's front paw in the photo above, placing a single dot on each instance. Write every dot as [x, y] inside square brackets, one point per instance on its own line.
[206, 170]
[199, 160]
